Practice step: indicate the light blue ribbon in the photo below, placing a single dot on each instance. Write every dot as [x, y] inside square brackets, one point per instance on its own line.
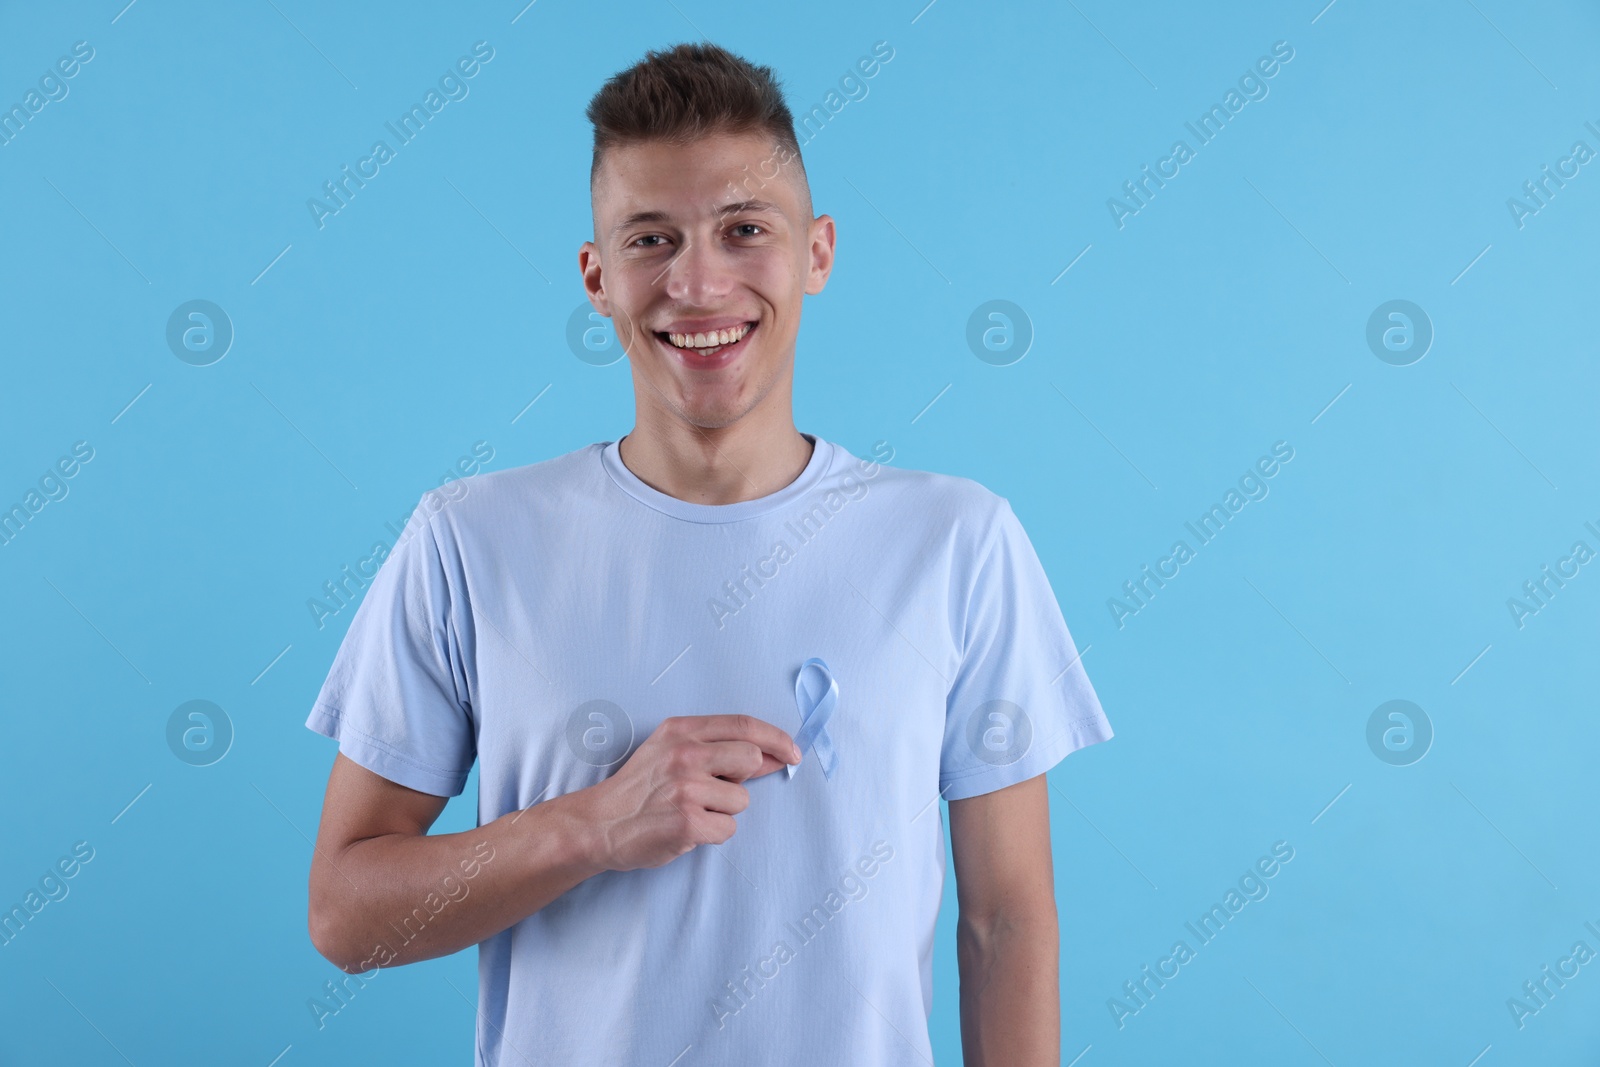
[815, 711]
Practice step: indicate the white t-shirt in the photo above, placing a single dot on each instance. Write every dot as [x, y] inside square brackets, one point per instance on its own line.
[546, 620]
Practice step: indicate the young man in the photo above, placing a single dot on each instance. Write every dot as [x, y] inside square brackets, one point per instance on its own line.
[631, 638]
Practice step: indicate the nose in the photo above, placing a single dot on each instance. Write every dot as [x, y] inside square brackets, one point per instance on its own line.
[701, 274]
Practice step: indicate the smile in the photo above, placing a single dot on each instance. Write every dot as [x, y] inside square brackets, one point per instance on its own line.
[709, 349]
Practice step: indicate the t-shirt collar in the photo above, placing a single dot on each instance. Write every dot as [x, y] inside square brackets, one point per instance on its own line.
[816, 467]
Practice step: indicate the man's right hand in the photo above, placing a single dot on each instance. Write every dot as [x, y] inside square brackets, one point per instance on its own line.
[681, 788]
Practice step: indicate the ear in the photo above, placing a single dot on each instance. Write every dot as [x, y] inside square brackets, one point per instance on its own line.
[821, 253]
[593, 277]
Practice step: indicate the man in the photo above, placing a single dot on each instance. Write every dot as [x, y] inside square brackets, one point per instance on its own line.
[630, 638]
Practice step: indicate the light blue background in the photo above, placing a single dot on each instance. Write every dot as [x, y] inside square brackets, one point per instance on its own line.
[1225, 316]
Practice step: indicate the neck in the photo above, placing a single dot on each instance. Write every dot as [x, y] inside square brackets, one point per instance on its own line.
[723, 465]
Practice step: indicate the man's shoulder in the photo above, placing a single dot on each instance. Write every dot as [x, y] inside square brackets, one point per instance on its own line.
[933, 500]
[576, 467]
[492, 496]
[953, 490]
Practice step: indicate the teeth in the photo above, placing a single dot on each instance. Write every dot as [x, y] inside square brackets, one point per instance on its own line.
[712, 339]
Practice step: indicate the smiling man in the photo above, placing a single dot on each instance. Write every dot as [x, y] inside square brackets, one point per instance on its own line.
[629, 639]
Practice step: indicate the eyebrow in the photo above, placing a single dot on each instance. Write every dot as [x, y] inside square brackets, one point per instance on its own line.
[727, 209]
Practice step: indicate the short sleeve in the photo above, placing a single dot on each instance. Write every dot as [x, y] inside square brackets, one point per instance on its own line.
[396, 696]
[1020, 701]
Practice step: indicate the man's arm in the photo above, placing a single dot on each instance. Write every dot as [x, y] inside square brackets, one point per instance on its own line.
[1007, 938]
[377, 875]
[384, 892]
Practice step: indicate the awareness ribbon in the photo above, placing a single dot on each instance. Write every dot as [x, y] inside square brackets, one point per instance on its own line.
[815, 711]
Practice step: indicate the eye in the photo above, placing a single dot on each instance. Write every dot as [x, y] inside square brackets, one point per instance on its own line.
[648, 237]
[752, 226]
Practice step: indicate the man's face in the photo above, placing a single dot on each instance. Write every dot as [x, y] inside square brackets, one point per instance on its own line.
[694, 240]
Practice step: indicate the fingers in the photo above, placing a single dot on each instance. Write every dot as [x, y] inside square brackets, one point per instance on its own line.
[718, 796]
[772, 740]
[683, 786]
[736, 761]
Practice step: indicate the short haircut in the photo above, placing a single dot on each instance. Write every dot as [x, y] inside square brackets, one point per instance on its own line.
[687, 92]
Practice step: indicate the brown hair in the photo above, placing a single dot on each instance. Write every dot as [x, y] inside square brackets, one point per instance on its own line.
[686, 92]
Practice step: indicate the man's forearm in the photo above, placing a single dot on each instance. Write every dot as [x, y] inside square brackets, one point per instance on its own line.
[1010, 990]
[395, 899]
